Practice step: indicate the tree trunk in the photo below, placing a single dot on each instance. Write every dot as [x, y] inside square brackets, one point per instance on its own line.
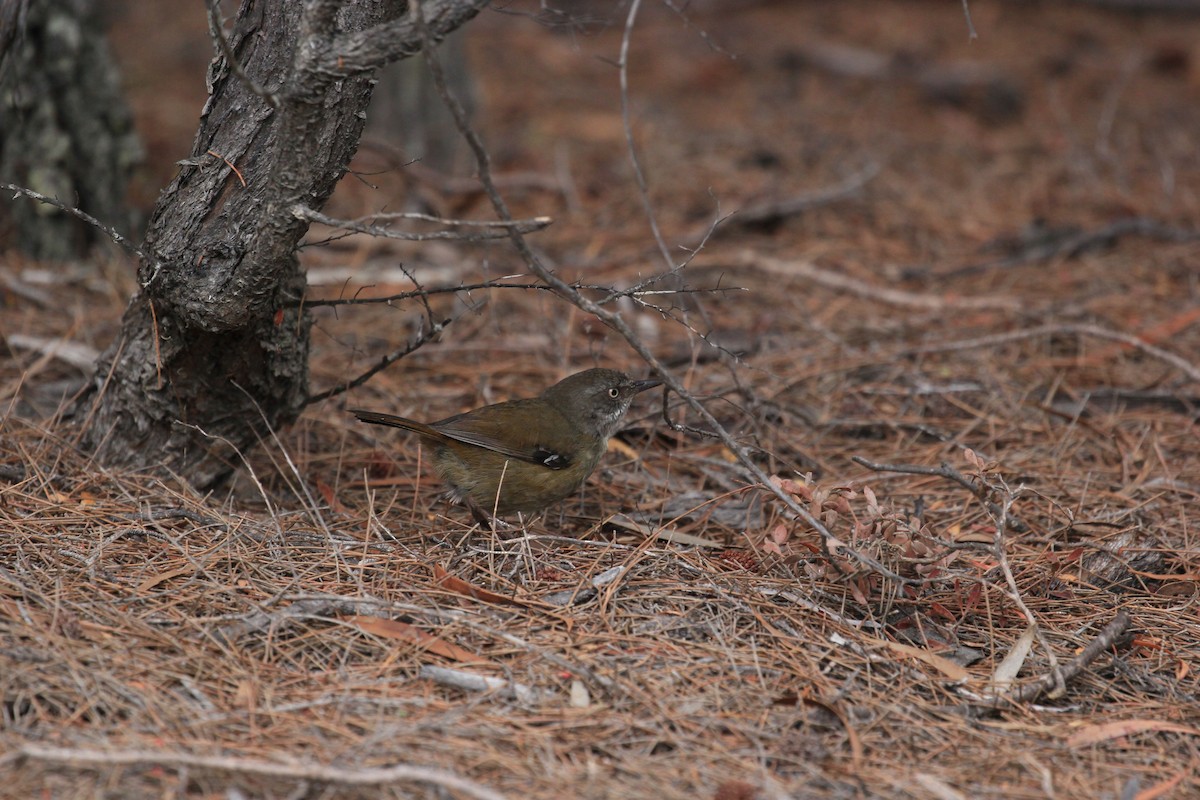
[65, 130]
[213, 349]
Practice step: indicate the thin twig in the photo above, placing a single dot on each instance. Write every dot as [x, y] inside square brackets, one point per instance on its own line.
[386, 361]
[679, 426]
[83, 215]
[796, 269]
[1181, 364]
[1076, 242]
[359, 226]
[776, 210]
[971, 34]
[627, 123]
[415, 293]
[611, 295]
[301, 771]
[1000, 551]
[159, 514]
[944, 470]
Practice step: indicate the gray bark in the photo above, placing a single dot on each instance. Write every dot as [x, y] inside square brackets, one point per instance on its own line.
[213, 349]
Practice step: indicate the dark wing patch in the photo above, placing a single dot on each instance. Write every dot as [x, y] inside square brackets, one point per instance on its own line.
[551, 459]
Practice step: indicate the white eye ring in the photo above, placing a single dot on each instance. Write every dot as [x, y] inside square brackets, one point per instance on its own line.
[614, 393]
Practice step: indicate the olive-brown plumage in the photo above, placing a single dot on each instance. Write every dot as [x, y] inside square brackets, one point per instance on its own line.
[523, 455]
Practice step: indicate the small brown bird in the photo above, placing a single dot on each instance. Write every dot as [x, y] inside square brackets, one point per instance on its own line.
[523, 455]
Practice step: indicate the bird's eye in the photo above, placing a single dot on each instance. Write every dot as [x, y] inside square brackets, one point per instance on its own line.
[614, 393]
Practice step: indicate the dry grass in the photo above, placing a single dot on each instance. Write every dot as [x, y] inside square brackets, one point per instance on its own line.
[277, 639]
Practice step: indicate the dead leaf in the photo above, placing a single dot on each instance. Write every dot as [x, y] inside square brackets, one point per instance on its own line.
[246, 695]
[1164, 788]
[617, 446]
[975, 536]
[944, 665]
[1177, 589]
[1008, 669]
[1094, 734]
[579, 697]
[459, 586]
[155, 580]
[328, 495]
[402, 631]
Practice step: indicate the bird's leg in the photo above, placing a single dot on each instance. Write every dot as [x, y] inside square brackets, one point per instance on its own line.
[482, 517]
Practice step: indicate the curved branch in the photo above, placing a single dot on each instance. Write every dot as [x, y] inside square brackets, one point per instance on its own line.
[362, 51]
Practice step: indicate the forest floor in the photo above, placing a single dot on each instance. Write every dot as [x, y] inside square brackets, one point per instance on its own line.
[974, 260]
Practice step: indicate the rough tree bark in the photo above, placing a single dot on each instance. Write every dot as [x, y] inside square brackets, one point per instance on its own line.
[213, 348]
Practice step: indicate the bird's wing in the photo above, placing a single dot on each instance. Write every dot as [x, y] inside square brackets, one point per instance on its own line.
[493, 428]
[379, 418]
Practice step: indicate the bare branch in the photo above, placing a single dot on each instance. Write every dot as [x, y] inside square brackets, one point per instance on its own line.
[361, 226]
[386, 361]
[627, 124]
[944, 470]
[297, 770]
[611, 295]
[415, 293]
[1072, 669]
[775, 210]
[1191, 370]
[83, 215]
[363, 51]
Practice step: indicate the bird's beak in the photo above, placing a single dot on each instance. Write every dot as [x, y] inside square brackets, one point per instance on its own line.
[641, 386]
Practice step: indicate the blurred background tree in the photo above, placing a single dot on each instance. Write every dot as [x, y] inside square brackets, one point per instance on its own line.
[65, 129]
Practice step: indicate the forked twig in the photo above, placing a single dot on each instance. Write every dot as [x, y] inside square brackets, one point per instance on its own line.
[944, 470]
